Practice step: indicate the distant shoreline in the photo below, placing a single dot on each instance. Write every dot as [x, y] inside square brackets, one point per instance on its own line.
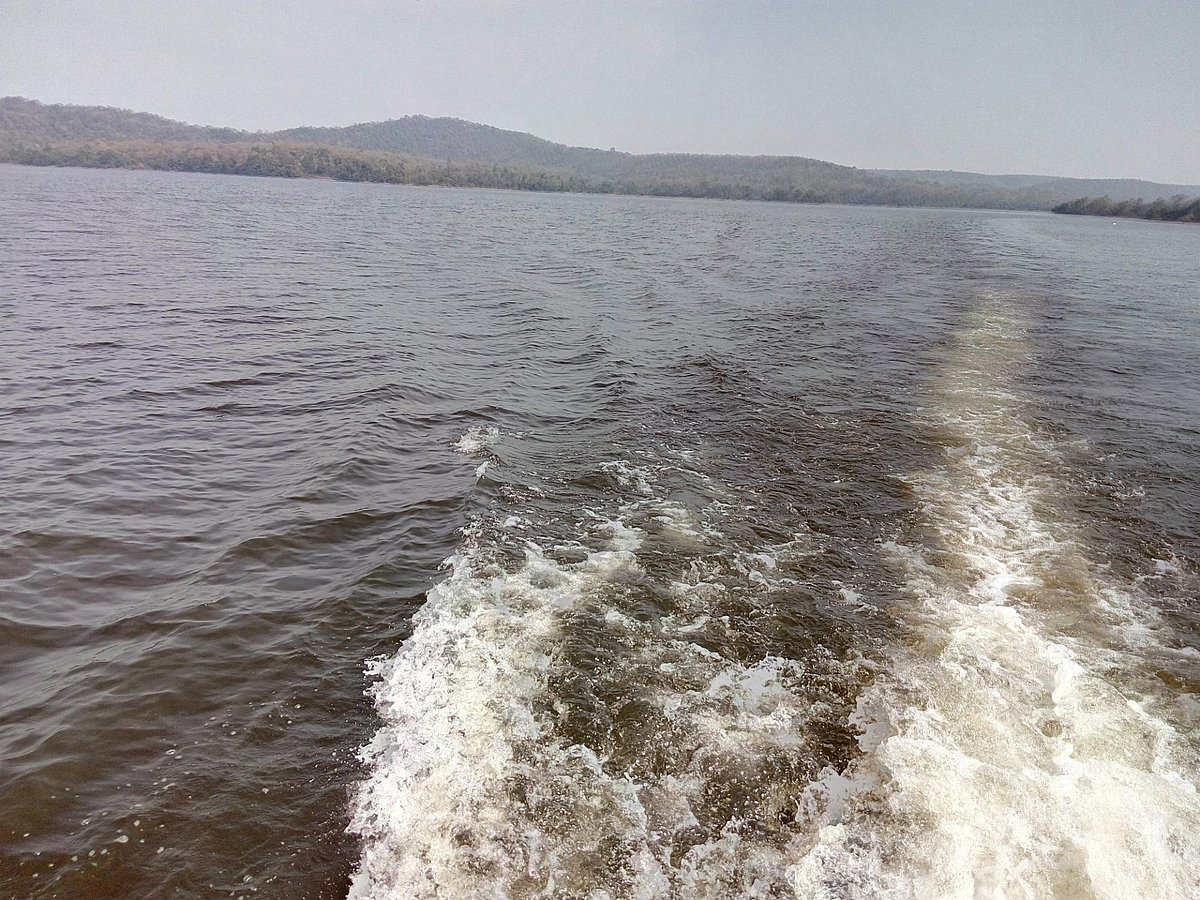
[833, 204]
[466, 185]
[1179, 209]
[324, 162]
[419, 150]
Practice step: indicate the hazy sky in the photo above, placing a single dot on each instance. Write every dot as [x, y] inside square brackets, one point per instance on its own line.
[1095, 88]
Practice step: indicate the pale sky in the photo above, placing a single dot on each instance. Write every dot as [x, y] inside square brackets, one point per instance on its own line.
[1056, 87]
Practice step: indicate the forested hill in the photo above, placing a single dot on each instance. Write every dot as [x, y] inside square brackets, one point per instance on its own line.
[1044, 190]
[1179, 208]
[421, 150]
[27, 121]
[455, 140]
[448, 151]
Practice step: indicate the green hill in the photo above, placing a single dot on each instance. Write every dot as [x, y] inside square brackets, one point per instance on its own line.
[422, 150]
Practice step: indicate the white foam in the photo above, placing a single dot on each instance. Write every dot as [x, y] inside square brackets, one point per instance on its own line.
[474, 791]
[639, 478]
[477, 439]
[622, 537]
[461, 731]
[1004, 755]
[1163, 568]
[1004, 759]
[681, 524]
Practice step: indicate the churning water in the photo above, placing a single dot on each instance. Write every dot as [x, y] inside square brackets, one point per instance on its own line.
[407, 543]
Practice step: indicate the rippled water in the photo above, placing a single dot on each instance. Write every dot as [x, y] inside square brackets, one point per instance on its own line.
[682, 549]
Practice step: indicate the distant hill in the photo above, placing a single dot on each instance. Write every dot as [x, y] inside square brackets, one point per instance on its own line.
[1045, 188]
[422, 150]
[27, 121]
[454, 140]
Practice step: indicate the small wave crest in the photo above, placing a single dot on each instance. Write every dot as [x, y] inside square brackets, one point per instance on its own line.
[477, 439]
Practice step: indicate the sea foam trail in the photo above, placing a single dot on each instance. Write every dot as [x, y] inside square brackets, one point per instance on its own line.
[541, 738]
[472, 794]
[488, 779]
[1012, 753]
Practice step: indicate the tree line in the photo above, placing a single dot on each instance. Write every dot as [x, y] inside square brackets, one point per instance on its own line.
[1179, 208]
[281, 160]
[663, 176]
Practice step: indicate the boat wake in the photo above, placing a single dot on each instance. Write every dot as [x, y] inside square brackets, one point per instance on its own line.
[577, 725]
[546, 735]
[1018, 747]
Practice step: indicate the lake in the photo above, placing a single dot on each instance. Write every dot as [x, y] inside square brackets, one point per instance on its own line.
[410, 542]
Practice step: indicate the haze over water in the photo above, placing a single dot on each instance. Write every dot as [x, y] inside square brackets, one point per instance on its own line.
[683, 548]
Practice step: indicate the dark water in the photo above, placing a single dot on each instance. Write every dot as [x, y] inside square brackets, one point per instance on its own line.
[735, 550]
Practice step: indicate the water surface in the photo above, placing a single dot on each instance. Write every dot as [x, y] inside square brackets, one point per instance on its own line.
[403, 542]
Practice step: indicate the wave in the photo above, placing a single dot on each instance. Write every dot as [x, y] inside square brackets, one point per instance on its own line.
[546, 734]
[1019, 748]
[592, 721]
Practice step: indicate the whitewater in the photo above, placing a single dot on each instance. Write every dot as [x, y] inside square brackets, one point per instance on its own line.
[1013, 745]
